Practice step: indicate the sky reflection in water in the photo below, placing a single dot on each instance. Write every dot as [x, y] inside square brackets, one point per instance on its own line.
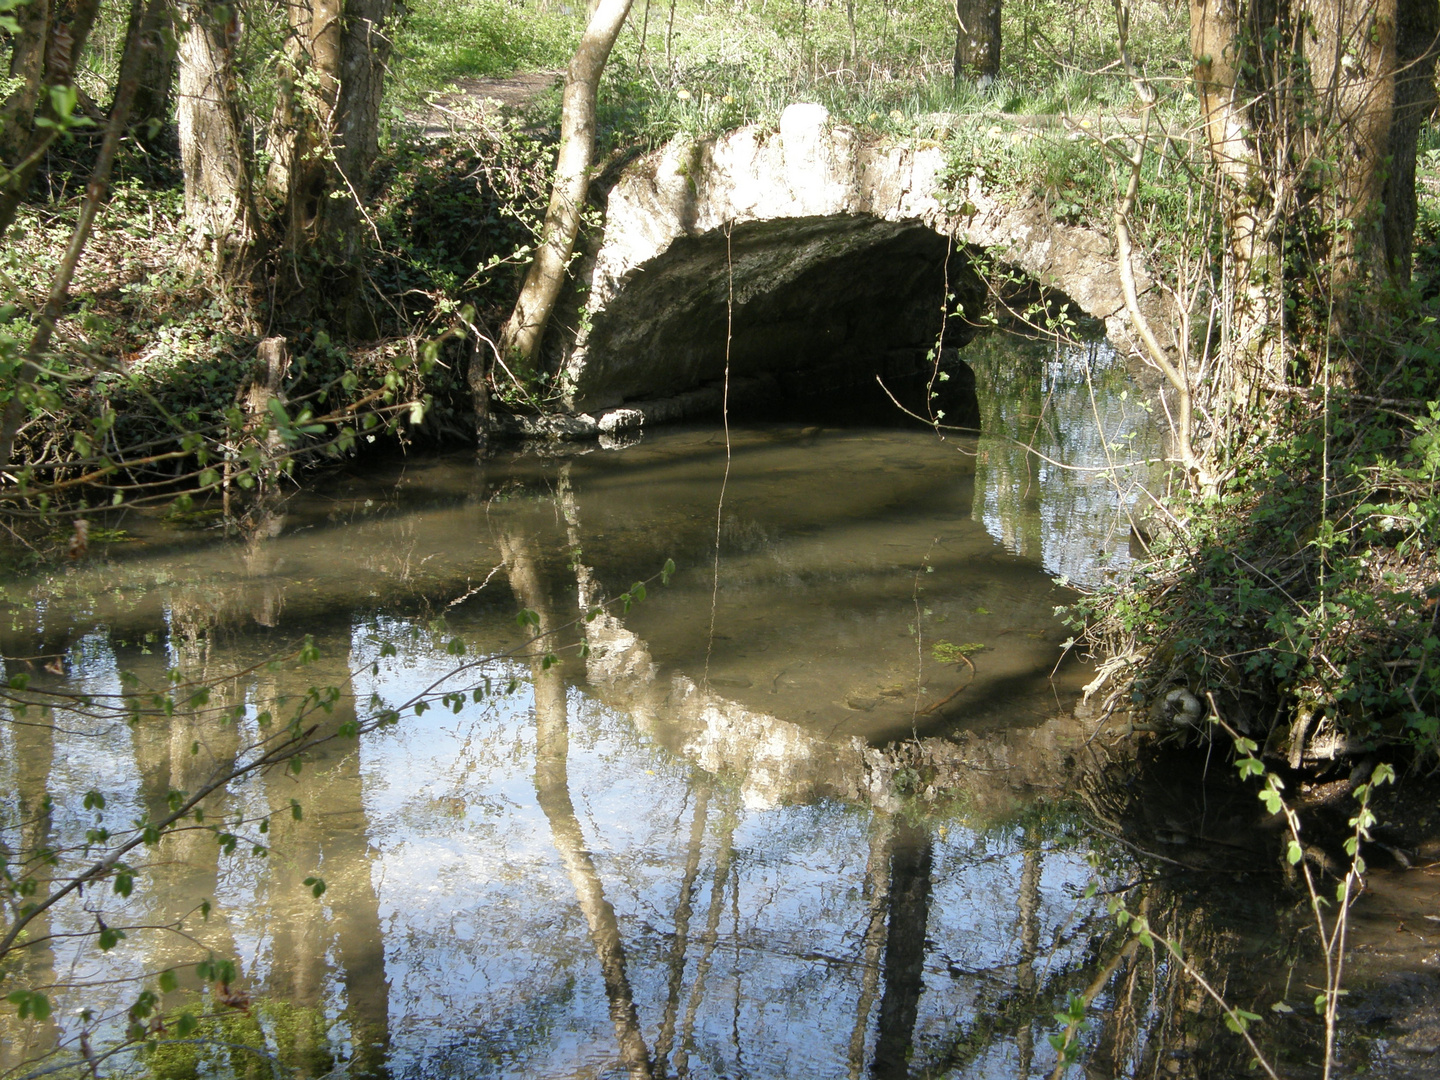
[626, 867]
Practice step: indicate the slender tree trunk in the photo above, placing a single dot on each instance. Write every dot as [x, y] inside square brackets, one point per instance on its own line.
[27, 64]
[95, 194]
[155, 48]
[526, 327]
[219, 184]
[977, 40]
[65, 33]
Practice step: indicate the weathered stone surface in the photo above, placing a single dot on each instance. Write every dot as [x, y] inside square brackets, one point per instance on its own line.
[579, 427]
[809, 247]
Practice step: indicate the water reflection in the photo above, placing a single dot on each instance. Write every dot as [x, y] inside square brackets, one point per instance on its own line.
[1068, 450]
[810, 845]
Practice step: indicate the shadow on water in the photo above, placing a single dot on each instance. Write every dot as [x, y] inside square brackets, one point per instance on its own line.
[847, 832]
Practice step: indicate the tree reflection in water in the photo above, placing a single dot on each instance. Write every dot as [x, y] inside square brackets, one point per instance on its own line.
[622, 870]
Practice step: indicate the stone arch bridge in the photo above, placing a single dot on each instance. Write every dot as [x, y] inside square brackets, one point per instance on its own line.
[809, 256]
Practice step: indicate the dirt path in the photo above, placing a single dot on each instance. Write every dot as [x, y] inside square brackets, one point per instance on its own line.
[474, 98]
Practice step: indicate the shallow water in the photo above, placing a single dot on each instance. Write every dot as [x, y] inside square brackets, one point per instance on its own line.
[801, 811]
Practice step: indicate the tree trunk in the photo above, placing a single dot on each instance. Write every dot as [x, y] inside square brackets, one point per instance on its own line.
[326, 134]
[1252, 257]
[526, 326]
[27, 63]
[1417, 30]
[95, 193]
[219, 187]
[154, 47]
[977, 40]
[1312, 115]
[65, 31]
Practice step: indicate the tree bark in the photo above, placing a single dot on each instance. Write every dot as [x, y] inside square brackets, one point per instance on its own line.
[326, 134]
[155, 48]
[1312, 113]
[65, 31]
[219, 186]
[526, 326]
[977, 40]
[27, 63]
[1252, 257]
[1417, 30]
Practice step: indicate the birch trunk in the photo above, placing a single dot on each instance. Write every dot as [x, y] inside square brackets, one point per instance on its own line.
[526, 326]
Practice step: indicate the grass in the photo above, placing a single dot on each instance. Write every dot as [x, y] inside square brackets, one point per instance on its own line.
[699, 70]
[439, 43]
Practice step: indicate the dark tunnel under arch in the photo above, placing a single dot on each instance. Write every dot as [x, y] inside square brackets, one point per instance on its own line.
[821, 306]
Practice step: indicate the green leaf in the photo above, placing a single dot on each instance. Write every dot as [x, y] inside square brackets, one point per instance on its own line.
[1239, 1021]
[316, 885]
[30, 1004]
[1293, 854]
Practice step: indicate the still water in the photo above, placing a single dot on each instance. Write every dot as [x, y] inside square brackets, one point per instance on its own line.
[807, 809]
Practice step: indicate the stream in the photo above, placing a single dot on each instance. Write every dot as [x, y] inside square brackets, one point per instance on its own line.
[817, 804]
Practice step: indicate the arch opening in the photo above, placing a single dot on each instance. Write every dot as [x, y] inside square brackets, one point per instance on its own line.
[812, 309]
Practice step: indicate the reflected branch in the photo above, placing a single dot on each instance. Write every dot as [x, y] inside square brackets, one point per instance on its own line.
[552, 792]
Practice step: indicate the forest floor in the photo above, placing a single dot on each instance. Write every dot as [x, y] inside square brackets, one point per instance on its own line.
[469, 96]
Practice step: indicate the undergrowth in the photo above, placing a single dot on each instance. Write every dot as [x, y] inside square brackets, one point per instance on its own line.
[141, 386]
[1303, 596]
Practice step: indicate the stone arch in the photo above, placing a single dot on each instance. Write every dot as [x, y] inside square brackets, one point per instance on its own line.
[831, 246]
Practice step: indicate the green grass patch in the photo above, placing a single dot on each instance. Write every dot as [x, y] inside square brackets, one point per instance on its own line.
[440, 42]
